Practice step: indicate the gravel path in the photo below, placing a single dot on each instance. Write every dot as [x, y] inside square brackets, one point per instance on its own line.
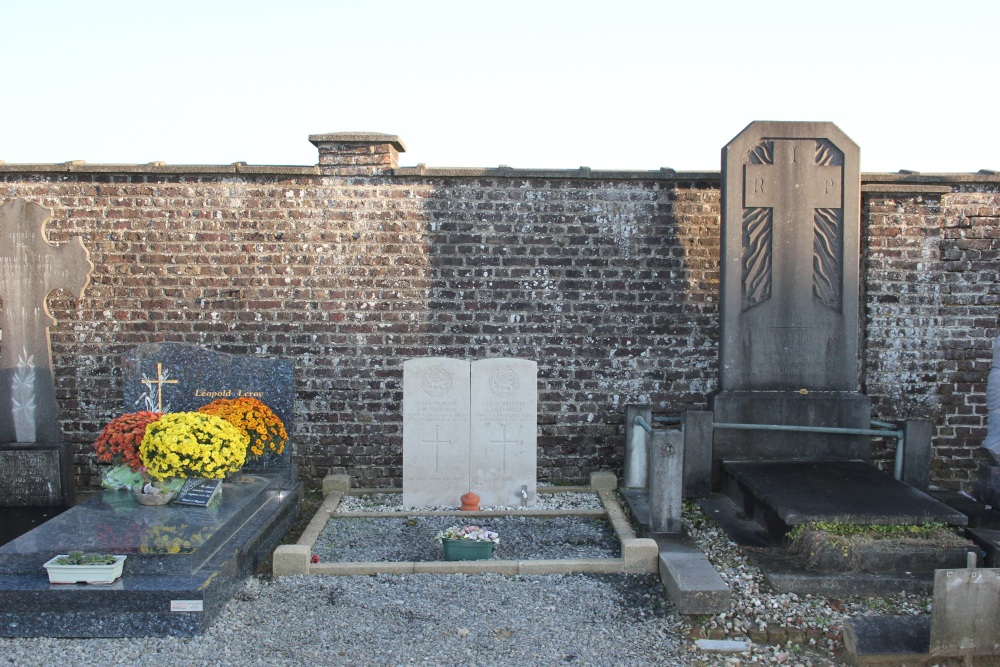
[485, 619]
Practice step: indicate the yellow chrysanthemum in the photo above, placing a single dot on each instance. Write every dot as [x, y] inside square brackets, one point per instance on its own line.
[192, 444]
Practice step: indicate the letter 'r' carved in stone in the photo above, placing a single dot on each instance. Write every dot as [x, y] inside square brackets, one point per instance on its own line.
[31, 268]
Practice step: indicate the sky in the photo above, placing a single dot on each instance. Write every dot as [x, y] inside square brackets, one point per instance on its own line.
[614, 84]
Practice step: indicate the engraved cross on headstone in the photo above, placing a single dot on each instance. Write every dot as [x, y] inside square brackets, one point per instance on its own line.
[437, 442]
[31, 268]
[503, 442]
[794, 186]
[161, 379]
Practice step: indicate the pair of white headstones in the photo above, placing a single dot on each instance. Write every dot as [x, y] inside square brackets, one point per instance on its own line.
[469, 427]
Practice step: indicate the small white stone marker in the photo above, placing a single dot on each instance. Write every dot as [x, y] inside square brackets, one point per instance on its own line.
[723, 645]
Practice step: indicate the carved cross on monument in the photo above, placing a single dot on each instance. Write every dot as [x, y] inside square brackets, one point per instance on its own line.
[31, 268]
[794, 186]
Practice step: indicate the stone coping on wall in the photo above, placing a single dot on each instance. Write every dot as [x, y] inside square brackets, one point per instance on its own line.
[872, 182]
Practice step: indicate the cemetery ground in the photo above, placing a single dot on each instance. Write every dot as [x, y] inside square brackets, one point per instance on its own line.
[490, 618]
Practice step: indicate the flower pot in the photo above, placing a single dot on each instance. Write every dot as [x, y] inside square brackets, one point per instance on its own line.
[159, 498]
[467, 550]
[87, 574]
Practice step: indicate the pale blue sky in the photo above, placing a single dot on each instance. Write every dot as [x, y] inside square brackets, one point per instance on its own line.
[620, 84]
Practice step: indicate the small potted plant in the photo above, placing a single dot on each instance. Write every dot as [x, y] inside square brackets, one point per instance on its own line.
[79, 567]
[467, 543]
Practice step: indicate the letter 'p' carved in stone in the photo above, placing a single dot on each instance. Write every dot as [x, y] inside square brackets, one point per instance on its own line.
[31, 268]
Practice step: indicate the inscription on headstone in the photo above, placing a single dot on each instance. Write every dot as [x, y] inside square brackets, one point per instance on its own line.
[469, 427]
[504, 431]
[31, 268]
[30, 477]
[435, 431]
[174, 377]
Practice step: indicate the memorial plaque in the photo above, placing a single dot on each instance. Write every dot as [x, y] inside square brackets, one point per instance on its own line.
[435, 431]
[199, 492]
[174, 377]
[31, 477]
[504, 443]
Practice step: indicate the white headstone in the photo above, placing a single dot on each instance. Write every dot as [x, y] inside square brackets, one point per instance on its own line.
[435, 431]
[992, 442]
[503, 461]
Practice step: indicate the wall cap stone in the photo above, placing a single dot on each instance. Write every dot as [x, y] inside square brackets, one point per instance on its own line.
[358, 138]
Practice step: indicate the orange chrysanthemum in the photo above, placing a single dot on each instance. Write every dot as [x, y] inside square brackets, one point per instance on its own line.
[253, 417]
[119, 442]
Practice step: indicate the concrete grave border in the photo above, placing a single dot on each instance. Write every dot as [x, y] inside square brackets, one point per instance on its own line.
[639, 555]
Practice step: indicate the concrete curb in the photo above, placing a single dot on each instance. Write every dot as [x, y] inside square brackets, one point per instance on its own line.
[639, 555]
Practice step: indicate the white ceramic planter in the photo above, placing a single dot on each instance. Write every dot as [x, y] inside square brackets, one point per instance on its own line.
[87, 574]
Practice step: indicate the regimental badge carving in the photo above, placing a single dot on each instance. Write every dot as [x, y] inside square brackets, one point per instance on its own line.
[503, 381]
[436, 381]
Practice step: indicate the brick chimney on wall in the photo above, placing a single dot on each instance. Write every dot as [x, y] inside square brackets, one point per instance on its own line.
[357, 153]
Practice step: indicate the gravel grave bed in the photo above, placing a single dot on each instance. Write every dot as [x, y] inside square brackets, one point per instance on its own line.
[411, 539]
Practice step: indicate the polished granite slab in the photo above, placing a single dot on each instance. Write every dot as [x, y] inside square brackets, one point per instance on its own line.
[184, 563]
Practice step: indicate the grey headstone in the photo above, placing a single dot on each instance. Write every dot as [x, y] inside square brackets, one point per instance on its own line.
[174, 377]
[966, 612]
[504, 441]
[790, 259]
[788, 351]
[31, 268]
[666, 481]
[436, 411]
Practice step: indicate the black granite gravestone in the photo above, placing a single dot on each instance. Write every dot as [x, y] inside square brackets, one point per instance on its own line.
[34, 464]
[174, 377]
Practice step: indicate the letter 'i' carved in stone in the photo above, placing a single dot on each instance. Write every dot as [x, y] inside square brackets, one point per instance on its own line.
[31, 268]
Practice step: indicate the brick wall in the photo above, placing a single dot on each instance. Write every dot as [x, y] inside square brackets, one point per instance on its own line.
[608, 279]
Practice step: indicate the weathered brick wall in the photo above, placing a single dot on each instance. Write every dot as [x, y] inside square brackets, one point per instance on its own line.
[933, 309]
[609, 281]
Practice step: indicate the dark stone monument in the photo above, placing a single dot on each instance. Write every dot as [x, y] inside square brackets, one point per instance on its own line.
[789, 371]
[174, 377]
[789, 293]
[34, 464]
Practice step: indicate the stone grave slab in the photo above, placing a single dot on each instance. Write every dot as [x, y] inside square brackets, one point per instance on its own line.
[436, 414]
[504, 441]
[180, 559]
[175, 377]
[784, 494]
